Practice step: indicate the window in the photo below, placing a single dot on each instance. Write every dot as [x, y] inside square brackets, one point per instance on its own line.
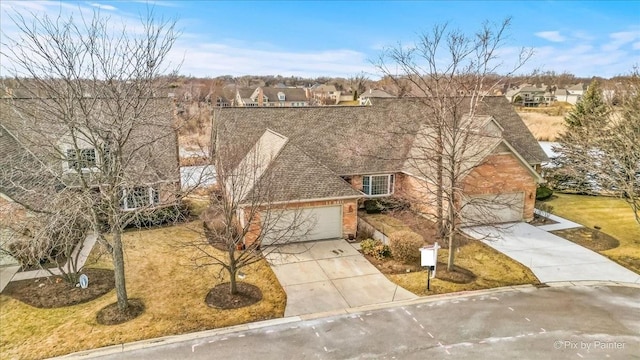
[377, 185]
[281, 96]
[81, 159]
[139, 196]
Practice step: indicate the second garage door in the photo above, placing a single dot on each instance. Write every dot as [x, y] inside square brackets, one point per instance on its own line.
[487, 209]
[313, 224]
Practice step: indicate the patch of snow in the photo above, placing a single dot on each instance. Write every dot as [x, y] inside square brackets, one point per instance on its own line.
[197, 176]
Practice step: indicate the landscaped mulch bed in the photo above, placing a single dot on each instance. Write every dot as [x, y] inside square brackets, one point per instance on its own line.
[541, 220]
[111, 315]
[590, 238]
[220, 298]
[54, 292]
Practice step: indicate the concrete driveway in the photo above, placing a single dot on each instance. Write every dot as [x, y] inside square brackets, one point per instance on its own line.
[329, 275]
[550, 257]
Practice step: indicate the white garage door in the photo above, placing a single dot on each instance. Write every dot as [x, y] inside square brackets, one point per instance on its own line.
[307, 224]
[493, 209]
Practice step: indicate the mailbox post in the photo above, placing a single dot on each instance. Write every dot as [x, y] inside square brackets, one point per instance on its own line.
[429, 259]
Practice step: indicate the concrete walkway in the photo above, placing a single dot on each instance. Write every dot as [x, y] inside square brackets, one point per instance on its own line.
[10, 273]
[330, 275]
[550, 257]
[562, 223]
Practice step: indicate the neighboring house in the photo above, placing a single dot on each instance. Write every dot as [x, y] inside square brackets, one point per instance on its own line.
[280, 97]
[243, 98]
[571, 95]
[151, 175]
[528, 95]
[324, 94]
[365, 99]
[327, 158]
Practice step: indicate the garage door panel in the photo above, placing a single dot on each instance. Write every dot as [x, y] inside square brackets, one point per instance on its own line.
[500, 208]
[302, 224]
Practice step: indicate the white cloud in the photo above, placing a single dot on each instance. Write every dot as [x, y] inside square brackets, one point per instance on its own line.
[214, 59]
[553, 36]
[103, 7]
[636, 45]
[619, 39]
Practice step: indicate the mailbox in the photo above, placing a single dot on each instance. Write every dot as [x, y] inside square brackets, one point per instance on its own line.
[429, 259]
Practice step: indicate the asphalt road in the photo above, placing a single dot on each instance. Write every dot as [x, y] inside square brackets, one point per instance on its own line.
[579, 322]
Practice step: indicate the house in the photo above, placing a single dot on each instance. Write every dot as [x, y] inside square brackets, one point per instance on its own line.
[528, 95]
[324, 94]
[269, 96]
[365, 98]
[571, 95]
[61, 157]
[327, 159]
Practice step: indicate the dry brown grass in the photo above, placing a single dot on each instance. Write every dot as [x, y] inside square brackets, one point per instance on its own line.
[159, 273]
[492, 269]
[543, 127]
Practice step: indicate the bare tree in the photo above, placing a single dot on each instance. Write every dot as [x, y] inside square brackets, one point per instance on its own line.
[449, 71]
[89, 104]
[246, 219]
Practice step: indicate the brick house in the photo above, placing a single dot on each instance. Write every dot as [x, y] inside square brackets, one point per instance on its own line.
[326, 159]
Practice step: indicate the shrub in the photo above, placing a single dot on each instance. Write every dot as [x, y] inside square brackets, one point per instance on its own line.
[373, 206]
[160, 216]
[545, 208]
[543, 192]
[405, 246]
[375, 248]
[394, 203]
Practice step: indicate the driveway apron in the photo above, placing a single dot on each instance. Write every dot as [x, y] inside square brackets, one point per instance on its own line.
[550, 257]
[329, 275]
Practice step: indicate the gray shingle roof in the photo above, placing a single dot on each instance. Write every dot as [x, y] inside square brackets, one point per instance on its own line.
[291, 94]
[294, 175]
[362, 140]
[17, 167]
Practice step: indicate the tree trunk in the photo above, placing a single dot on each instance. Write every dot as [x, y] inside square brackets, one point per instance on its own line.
[118, 263]
[452, 230]
[233, 283]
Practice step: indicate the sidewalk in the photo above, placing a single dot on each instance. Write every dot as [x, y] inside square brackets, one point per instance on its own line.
[10, 273]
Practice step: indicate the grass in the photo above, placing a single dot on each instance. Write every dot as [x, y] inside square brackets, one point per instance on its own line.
[158, 272]
[543, 127]
[491, 268]
[615, 218]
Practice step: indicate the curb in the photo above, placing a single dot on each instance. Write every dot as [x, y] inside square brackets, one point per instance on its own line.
[170, 339]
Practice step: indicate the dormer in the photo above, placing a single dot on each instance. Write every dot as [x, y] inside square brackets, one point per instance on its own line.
[281, 96]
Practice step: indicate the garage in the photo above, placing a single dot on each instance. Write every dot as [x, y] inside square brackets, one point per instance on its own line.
[315, 223]
[493, 209]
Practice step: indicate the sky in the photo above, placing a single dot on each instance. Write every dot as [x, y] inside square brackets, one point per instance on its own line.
[343, 38]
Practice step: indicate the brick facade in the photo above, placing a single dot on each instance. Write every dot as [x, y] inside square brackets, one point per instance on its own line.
[500, 174]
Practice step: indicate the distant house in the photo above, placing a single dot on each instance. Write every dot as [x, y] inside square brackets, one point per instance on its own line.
[528, 95]
[270, 97]
[324, 94]
[365, 98]
[571, 95]
[280, 97]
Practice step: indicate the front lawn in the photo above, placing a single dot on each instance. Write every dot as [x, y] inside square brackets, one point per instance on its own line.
[613, 215]
[490, 267]
[158, 273]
